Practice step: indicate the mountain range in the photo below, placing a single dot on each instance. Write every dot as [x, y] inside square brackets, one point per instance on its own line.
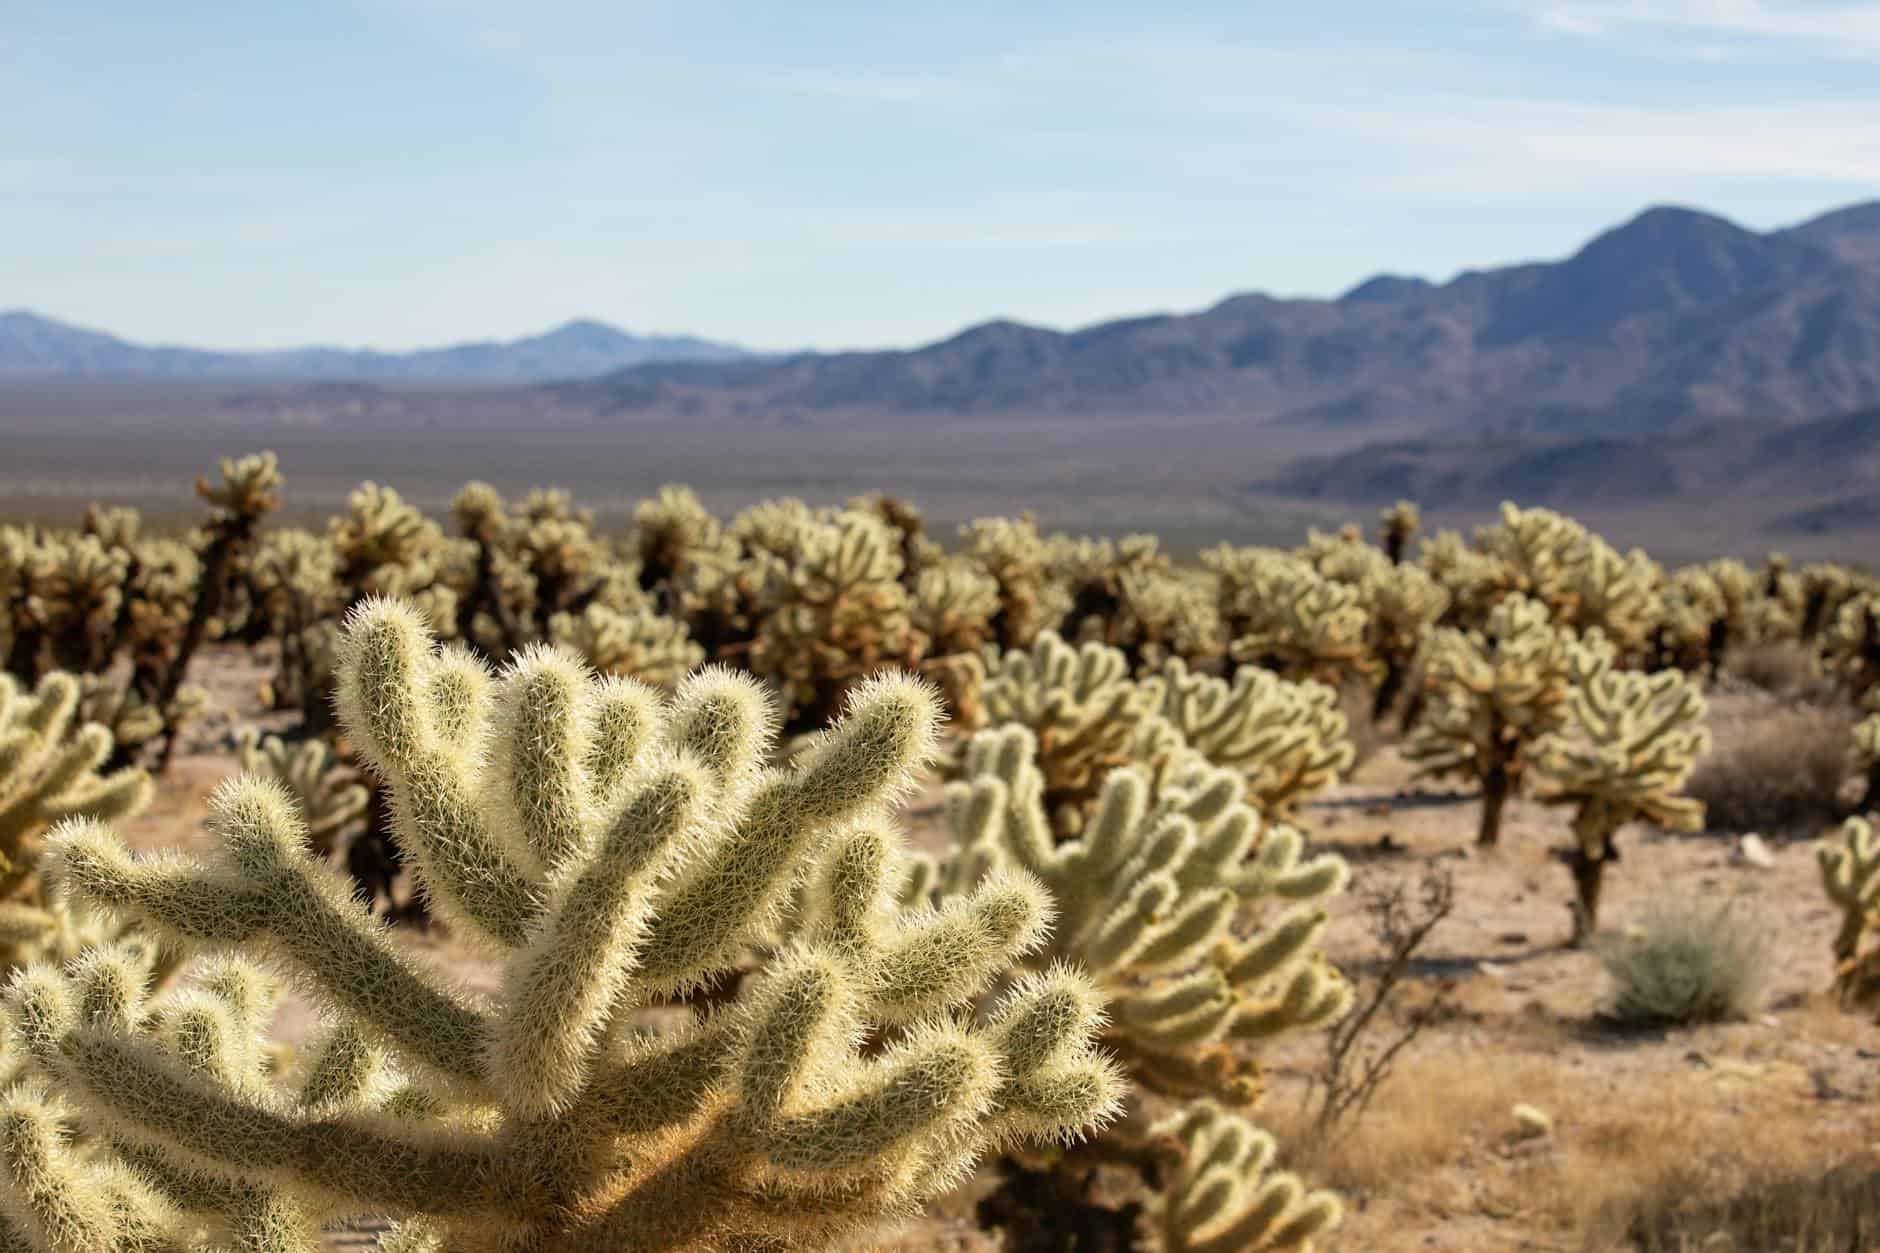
[1672, 319]
[38, 347]
[1676, 316]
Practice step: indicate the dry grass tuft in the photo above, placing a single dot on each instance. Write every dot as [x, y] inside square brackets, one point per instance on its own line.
[1783, 669]
[1683, 965]
[1775, 769]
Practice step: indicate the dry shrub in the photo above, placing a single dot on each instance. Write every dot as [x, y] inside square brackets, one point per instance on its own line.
[1433, 1109]
[1776, 769]
[1685, 965]
[1807, 1212]
[1650, 1163]
[1780, 668]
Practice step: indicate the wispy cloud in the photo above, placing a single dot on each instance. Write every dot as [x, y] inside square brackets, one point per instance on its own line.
[1850, 27]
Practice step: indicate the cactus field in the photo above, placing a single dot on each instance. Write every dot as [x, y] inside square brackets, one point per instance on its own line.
[506, 878]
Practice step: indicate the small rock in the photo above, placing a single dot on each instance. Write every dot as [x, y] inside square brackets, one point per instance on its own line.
[1770, 1020]
[1531, 1123]
[1492, 970]
[1751, 851]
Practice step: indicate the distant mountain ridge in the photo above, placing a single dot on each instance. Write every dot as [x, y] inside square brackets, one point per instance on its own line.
[34, 346]
[1673, 317]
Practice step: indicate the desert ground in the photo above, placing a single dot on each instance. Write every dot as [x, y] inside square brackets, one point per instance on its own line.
[1685, 1139]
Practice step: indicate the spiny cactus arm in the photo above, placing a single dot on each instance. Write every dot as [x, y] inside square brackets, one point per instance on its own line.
[734, 886]
[1850, 875]
[1223, 1198]
[329, 801]
[724, 719]
[913, 963]
[50, 1201]
[265, 890]
[386, 661]
[556, 1009]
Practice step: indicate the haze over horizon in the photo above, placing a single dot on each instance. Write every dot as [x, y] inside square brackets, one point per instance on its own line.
[409, 173]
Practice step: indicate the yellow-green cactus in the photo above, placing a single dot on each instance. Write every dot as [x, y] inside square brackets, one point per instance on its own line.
[1493, 694]
[611, 850]
[1850, 875]
[1079, 704]
[832, 610]
[1225, 1196]
[1033, 596]
[1629, 742]
[1283, 615]
[1148, 897]
[50, 771]
[636, 644]
[1287, 741]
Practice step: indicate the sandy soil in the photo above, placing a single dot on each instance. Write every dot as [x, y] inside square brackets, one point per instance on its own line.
[1639, 1120]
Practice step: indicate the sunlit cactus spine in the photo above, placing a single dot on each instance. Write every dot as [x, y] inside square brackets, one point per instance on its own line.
[1628, 743]
[610, 850]
[1225, 1196]
[1850, 875]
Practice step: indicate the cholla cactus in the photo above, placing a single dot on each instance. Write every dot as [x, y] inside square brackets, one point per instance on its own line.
[1283, 615]
[1081, 707]
[613, 850]
[1852, 643]
[1032, 597]
[74, 597]
[1492, 695]
[249, 490]
[1615, 594]
[1629, 743]
[1538, 551]
[638, 644]
[1226, 1198]
[1850, 875]
[328, 800]
[953, 606]
[1397, 526]
[1146, 898]
[833, 611]
[1867, 750]
[1405, 606]
[49, 771]
[1287, 741]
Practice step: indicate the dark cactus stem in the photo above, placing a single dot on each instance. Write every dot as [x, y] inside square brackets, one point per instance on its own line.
[161, 691]
[1496, 784]
[1588, 876]
[1388, 689]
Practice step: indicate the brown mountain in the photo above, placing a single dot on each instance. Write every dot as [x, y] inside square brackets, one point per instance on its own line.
[1675, 317]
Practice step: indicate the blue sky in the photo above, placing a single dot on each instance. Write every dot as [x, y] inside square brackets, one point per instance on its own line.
[399, 173]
